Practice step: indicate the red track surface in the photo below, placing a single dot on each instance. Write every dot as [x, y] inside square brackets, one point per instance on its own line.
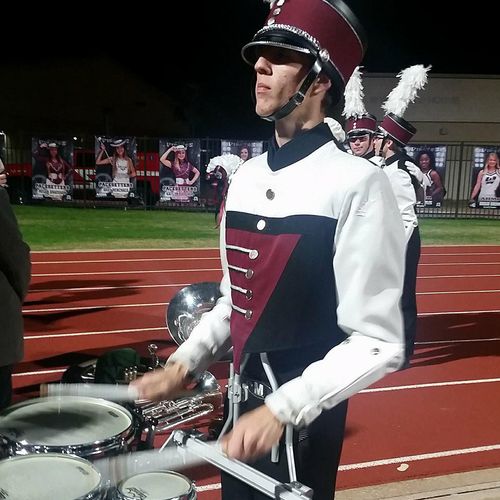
[439, 416]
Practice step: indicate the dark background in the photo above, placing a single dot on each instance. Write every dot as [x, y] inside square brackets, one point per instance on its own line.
[208, 82]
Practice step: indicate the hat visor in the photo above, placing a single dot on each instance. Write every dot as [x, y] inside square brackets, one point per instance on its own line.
[284, 40]
[359, 132]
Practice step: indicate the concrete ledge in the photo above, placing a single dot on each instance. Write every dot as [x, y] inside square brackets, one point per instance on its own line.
[477, 485]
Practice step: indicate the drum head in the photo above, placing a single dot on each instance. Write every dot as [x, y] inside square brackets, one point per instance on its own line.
[61, 422]
[48, 477]
[185, 309]
[157, 486]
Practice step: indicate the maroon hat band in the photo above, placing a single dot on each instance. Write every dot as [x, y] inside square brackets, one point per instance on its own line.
[363, 124]
[398, 129]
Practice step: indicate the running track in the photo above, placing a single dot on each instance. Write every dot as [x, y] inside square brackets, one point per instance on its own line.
[438, 417]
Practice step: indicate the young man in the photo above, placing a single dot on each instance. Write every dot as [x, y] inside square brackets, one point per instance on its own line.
[312, 273]
[393, 134]
[389, 148]
[15, 273]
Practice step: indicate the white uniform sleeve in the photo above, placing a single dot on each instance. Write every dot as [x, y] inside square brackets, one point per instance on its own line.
[210, 338]
[369, 267]
[406, 199]
[415, 171]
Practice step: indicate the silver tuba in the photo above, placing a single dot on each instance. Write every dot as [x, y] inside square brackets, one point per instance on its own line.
[187, 306]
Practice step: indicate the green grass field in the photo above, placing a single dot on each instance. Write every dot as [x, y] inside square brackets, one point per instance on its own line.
[58, 228]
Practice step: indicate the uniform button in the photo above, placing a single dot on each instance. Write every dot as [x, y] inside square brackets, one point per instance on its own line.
[271, 21]
[270, 194]
[249, 294]
[253, 254]
[279, 3]
[249, 274]
[261, 224]
[248, 314]
[276, 11]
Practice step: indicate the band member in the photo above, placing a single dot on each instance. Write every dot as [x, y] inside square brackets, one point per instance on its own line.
[393, 134]
[313, 274]
[360, 126]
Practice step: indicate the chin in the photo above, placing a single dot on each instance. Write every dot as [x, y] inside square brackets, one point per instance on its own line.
[264, 110]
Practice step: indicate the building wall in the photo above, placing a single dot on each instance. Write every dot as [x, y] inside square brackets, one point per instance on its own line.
[450, 108]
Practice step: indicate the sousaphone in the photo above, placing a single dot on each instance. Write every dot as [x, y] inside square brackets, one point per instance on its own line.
[187, 307]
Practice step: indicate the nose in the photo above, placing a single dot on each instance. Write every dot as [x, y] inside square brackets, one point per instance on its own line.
[262, 65]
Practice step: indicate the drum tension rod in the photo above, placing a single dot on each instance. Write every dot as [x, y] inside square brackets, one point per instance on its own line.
[193, 442]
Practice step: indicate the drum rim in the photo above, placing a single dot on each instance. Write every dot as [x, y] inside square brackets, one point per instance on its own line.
[89, 449]
[93, 494]
[185, 496]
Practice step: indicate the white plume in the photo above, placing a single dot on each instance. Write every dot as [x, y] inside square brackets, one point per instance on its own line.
[353, 96]
[229, 162]
[336, 128]
[411, 80]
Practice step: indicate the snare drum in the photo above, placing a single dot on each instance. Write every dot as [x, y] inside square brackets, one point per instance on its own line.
[49, 477]
[88, 427]
[166, 485]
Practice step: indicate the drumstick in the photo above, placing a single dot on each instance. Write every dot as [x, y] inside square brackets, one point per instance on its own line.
[116, 468]
[111, 392]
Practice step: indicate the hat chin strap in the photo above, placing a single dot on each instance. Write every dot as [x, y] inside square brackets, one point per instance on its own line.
[299, 96]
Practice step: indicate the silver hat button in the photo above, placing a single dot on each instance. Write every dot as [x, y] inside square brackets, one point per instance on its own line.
[270, 194]
[261, 224]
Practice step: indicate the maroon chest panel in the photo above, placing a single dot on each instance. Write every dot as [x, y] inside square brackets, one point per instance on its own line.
[259, 270]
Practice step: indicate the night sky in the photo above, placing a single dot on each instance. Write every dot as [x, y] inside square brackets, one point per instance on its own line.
[211, 78]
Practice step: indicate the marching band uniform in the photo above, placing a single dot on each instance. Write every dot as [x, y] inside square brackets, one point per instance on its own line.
[286, 260]
[406, 183]
[312, 277]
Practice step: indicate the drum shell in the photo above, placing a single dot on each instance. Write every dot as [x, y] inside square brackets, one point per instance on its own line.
[130, 488]
[46, 485]
[15, 441]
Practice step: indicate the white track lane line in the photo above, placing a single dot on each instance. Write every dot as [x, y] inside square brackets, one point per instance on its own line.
[100, 288]
[461, 254]
[124, 260]
[101, 250]
[442, 264]
[437, 276]
[424, 456]
[457, 292]
[126, 272]
[448, 313]
[102, 332]
[87, 308]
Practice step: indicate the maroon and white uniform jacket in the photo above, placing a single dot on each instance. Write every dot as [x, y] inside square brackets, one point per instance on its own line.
[312, 248]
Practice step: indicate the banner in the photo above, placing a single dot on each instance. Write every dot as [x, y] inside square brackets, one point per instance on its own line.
[52, 171]
[485, 178]
[431, 160]
[244, 149]
[115, 167]
[179, 172]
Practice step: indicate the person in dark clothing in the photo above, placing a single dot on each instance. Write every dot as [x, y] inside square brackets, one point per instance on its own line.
[15, 274]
